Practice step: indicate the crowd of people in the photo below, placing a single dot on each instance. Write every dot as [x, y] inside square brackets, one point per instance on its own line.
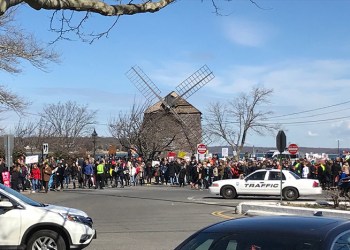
[58, 174]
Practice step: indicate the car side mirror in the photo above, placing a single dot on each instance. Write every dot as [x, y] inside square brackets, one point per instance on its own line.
[6, 205]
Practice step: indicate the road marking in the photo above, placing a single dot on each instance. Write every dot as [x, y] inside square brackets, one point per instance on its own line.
[220, 214]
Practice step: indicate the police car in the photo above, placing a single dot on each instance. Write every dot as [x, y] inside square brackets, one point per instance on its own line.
[267, 182]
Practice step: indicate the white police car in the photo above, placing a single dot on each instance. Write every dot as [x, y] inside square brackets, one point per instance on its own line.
[267, 182]
[27, 224]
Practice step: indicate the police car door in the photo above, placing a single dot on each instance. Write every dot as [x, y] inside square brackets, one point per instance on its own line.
[273, 183]
[254, 183]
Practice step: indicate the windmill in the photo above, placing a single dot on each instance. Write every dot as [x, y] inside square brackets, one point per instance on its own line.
[172, 101]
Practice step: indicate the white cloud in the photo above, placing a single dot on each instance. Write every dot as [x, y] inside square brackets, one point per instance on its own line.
[341, 128]
[247, 33]
[309, 133]
[297, 83]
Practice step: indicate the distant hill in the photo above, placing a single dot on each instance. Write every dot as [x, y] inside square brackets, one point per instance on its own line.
[302, 150]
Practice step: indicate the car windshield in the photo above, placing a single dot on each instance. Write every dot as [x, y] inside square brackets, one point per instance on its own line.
[20, 196]
[247, 241]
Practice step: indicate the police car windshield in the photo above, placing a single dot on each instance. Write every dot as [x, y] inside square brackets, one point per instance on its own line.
[20, 196]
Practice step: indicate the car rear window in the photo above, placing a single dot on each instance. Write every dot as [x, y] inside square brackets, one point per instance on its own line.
[218, 241]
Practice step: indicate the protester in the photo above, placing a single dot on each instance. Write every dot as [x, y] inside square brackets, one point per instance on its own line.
[2, 169]
[15, 177]
[47, 172]
[36, 177]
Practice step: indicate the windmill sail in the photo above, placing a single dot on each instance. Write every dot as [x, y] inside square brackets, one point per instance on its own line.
[144, 84]
[194, 82]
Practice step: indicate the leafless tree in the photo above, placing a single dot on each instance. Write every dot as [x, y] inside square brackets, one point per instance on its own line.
[25, 133]
[232, 122]
[16, 45]
[134, 132]
[65, 123]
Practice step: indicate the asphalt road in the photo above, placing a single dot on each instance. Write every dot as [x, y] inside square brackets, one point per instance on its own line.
[148, 217]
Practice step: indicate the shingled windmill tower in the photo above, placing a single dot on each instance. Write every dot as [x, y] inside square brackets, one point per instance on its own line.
[178, 122]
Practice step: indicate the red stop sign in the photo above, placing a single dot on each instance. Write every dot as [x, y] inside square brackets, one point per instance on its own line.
[201, 148]
[293, 149]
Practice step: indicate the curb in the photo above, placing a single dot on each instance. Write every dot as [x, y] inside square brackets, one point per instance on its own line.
[253, 209]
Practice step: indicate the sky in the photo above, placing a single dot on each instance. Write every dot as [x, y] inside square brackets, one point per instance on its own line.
[300, 49]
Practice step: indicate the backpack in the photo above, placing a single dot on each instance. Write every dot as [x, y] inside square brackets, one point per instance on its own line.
[23, 171]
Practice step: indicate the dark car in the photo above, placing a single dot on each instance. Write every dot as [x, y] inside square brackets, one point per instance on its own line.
[272, 233]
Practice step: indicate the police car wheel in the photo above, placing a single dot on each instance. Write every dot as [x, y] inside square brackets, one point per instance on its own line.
[229, 192]
[290, 194]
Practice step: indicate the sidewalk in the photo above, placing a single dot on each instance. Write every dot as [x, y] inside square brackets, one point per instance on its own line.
[256, 208]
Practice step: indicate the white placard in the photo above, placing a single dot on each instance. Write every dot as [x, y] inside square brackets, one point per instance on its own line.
[154, 163]
[32, 159]
[224, 152]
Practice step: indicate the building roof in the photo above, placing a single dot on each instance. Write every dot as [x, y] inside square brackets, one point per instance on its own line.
[180, 105]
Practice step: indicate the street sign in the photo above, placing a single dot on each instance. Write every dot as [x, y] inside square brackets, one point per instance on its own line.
[293, 149]
[45, 148]
[281, 141]
[201, 149]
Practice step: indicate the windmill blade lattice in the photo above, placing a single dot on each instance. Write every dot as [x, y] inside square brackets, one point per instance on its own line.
[193, 83]
[144, 84]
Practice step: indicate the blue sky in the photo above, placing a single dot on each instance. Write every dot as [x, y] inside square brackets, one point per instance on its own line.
[300, 49]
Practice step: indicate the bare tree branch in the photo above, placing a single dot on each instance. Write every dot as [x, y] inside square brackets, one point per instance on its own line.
[11, 102]
[16, 45]
[95, 6]
[232, 123]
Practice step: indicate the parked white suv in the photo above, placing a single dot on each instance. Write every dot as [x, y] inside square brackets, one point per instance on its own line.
[27, 224]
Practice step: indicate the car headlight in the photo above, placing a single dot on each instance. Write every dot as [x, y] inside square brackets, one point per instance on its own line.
[79, 219]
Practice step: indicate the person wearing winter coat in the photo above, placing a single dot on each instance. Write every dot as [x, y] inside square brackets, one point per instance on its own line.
[36, 176]
[88, 172]
[47, 172]
[171, 172]
[60, 176]
[67, 174]
[15, 178]
[2, 169]
[182, 175]
[164, 173]
[149, 172]
[132, 174]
